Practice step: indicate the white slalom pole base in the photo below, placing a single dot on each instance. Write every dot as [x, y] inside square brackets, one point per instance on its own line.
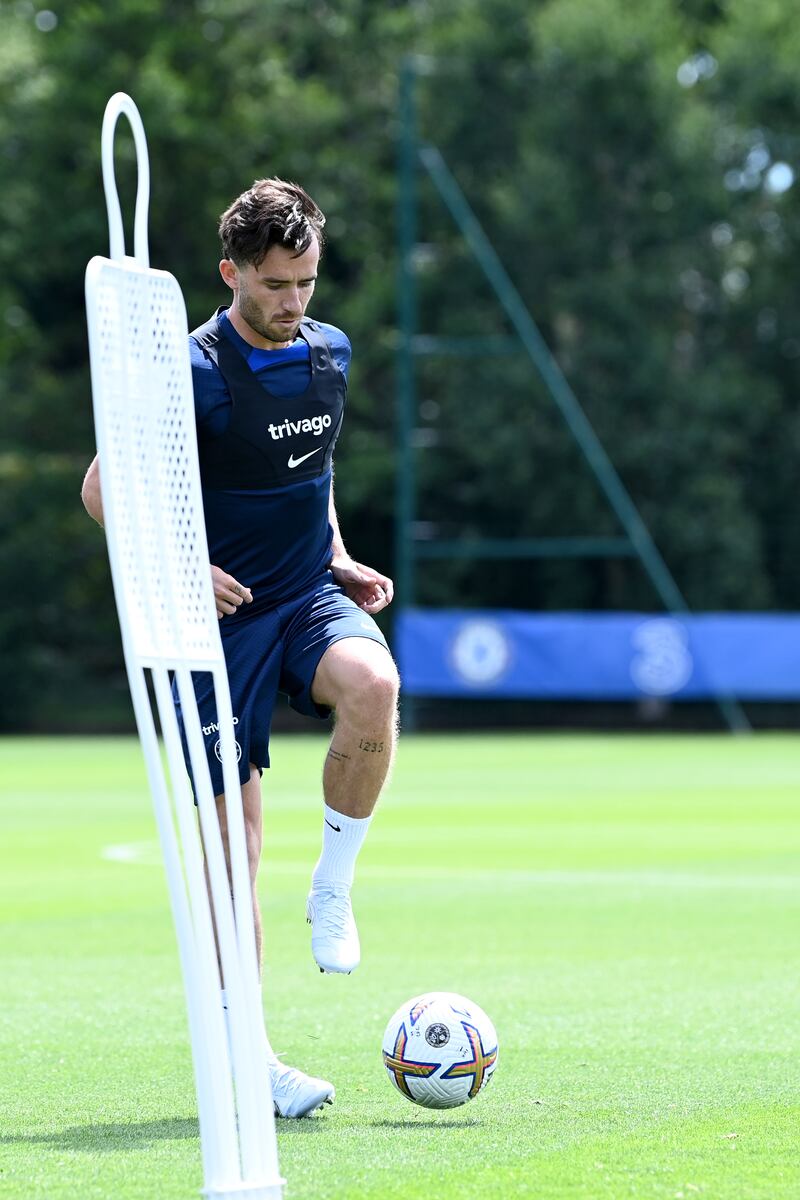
[247, 1191]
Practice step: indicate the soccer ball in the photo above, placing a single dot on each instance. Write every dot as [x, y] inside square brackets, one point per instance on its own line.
[440, 1050]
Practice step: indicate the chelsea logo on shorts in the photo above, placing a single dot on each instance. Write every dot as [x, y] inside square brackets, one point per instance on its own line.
[218, 751]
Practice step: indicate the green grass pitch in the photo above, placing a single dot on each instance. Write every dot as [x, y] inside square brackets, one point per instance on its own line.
[627, 910]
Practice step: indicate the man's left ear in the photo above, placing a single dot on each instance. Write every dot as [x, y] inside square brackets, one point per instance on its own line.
[229, 272]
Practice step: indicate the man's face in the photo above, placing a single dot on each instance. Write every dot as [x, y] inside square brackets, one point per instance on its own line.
[273, 296]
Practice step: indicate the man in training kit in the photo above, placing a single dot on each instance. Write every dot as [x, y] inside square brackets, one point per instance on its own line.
[296, 610]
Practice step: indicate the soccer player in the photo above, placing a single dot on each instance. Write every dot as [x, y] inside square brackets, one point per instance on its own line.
[296, 610]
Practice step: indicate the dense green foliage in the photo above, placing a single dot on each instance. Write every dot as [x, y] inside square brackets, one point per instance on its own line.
[623, 160]
[625, 909]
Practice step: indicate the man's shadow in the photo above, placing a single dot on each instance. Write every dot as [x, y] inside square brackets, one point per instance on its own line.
[112, 1137]
[117, 1136]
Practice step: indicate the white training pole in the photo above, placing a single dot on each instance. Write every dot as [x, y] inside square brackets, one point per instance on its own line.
[153, 514]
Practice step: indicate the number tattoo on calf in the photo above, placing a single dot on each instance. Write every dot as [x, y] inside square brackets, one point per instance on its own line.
[370, 747]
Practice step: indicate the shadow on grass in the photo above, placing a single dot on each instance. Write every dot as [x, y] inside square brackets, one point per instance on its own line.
[116, 1137]
[123, 1135]
[426, 1123]
[291, 1127]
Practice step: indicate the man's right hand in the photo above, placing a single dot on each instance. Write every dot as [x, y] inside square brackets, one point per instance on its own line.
[228, 592]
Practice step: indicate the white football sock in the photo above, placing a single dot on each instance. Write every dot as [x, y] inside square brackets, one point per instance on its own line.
[272, 1057]
[342, 838]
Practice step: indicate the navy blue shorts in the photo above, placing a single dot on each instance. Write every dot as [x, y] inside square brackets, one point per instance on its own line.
[275, 651]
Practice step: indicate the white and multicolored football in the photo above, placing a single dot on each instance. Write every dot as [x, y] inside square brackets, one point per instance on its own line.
[440, 1050]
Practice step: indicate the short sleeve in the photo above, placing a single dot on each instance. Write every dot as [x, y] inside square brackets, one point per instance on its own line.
[340, 346]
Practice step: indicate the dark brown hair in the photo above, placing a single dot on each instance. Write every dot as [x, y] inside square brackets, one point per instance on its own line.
[273, 212]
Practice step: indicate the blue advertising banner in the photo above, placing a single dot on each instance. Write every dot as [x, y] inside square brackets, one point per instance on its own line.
[598, 656]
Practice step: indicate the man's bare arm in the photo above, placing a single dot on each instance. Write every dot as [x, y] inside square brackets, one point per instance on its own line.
[337, 545]
[368, 588]
[90, 492]
[228, 593]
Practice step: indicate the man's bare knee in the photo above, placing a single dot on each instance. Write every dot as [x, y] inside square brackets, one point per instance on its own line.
[369, 692]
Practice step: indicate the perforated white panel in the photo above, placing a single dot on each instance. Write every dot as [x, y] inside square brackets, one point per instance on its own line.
[144, 419]
[141, 379]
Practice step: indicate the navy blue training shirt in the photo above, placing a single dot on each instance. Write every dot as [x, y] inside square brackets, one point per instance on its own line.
[276, 541]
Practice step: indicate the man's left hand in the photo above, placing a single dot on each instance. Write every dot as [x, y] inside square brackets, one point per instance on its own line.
[367, 588]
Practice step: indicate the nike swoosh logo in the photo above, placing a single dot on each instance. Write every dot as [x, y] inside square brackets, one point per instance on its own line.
[337, 828]
[295, 462]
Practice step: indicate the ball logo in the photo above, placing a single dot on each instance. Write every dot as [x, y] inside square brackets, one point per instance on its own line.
[663, 663]
[218, 751]
[437, 1035]
[481, 652]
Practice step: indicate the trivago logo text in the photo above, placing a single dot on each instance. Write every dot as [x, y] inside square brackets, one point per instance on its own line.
[214, 727]
[307, 425]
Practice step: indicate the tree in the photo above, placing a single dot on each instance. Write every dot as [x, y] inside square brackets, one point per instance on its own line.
[615, 154]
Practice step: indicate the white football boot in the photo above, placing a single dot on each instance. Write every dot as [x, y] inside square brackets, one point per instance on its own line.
[334, 937]
[296, 1094]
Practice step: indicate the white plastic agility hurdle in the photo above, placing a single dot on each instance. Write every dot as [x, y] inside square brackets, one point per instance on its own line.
[153, 513]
